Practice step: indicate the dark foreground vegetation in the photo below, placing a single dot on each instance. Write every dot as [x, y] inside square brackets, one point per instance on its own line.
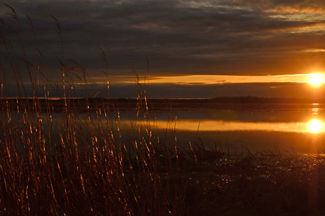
[155, 180]
[61, 164]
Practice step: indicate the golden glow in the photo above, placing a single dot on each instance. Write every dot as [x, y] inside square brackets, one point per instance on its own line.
[315, 126]
[316, 80]
[216, 79]
[224, 79]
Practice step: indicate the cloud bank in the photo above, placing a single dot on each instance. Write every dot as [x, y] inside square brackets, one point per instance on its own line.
[233, 37]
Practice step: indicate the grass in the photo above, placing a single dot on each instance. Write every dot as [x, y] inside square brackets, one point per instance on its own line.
[58, 163]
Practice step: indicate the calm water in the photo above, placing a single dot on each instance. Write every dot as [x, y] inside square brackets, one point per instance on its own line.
[288, 127]
[257, 127]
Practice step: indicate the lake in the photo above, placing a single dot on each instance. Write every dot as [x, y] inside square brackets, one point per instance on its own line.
[298, 128]
[236, 127]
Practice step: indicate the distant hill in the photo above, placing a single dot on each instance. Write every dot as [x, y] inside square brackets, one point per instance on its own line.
[91, 104]
[246, 99]
[251, 99]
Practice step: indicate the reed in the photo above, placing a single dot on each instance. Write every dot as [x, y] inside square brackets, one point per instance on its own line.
[72, 162]
[69, 156]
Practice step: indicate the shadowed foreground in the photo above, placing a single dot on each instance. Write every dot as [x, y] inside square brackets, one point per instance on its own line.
[159, 181]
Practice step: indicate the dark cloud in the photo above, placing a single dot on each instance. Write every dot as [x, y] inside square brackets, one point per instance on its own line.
[178, 37]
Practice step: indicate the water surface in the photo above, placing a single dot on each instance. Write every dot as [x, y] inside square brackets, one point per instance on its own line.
[257, 127]
[238, 127]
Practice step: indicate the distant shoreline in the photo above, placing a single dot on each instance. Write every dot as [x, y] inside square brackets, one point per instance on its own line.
[245, 99]
[83, 105]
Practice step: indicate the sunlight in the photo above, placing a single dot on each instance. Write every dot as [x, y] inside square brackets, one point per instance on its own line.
[316, 80]
[206, 79]
[315, 126]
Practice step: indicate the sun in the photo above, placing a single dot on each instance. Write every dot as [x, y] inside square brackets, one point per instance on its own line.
[315, 126]
[316, 79]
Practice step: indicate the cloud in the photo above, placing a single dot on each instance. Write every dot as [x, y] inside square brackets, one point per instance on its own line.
[178, 37]
[286, 6]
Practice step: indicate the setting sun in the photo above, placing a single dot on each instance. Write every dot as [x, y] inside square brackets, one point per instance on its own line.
[316, 80]
[315, 126]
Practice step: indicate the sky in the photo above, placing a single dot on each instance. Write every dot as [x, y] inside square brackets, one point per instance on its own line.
[179, 49]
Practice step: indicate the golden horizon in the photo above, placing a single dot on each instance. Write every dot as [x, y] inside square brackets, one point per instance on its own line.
[312, 78]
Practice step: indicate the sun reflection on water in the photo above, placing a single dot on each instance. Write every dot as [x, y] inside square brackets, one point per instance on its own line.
[314, 126]
[315, 111]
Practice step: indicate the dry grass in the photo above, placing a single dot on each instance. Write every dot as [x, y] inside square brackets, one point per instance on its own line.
[62, 164]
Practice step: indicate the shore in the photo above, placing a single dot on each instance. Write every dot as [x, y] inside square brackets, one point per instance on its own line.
[90, 104]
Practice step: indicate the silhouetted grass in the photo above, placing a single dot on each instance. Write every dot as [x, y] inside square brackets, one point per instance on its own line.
[65, 163]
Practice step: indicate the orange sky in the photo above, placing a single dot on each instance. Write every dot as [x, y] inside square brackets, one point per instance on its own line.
[215, 79]
[176, 42]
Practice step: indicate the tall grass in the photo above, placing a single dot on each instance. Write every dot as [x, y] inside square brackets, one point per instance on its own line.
[59, 162]
[76, 166]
